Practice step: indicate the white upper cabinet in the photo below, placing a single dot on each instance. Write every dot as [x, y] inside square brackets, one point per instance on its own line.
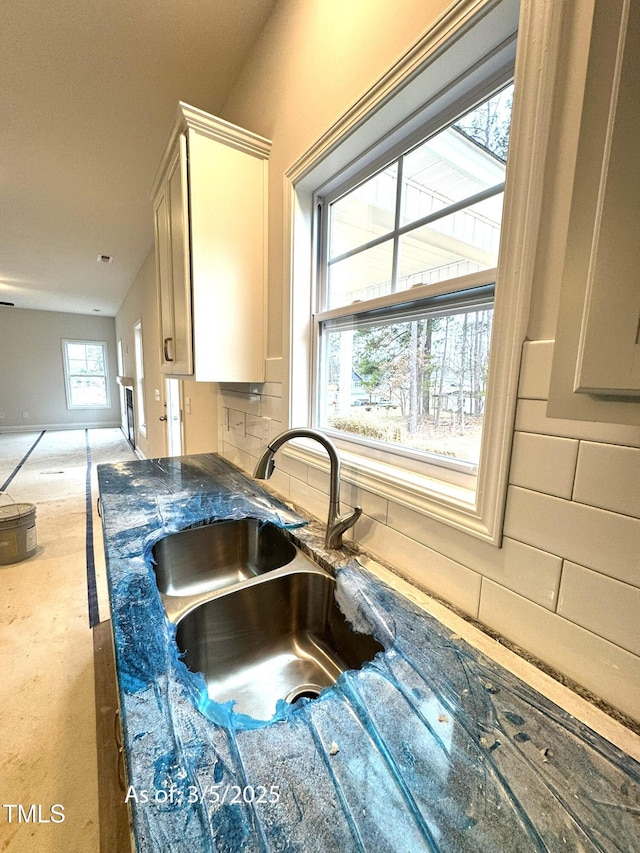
[609, 349]
[596, 363]
[209, 203]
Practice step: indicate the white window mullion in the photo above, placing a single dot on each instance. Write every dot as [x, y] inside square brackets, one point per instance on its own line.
[396, 226]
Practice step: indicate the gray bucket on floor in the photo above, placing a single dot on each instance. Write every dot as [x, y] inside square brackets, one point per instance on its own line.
[17, 531]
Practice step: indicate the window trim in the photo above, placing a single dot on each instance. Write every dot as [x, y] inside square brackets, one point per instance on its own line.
[67, 374]
[138, 349]
[338, 150]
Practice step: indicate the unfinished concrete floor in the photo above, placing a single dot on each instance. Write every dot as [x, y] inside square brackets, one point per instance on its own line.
[47, 706]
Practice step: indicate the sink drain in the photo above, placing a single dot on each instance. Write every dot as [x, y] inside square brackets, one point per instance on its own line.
[303, 691]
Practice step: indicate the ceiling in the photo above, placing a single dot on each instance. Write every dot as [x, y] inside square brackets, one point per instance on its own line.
[89, 93]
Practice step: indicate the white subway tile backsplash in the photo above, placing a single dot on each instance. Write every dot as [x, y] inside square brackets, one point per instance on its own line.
[256, 426]
[528, 571]
[244, 454]
[238, 457]
[592, 537]
[525, 569]
[292, 466]
[606, 607]
[280, 482]
[602, 667]
[609, 477]
[248, 403]
[309, 499]
[271, 389]
[433, 533]
[237, 421]
[244, 442]
[373, 505]
[272, 408]
[351, 495]
[275, 428]
[319, 479]
[421, 565]
[535, 370]
[531, 416]
[307, 489]
[544, 463]
[239, 388]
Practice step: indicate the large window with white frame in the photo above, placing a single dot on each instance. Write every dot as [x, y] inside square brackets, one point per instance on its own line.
[407, 265]
[411, 277]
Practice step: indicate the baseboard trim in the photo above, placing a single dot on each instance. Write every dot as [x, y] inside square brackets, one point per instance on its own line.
[58, 427]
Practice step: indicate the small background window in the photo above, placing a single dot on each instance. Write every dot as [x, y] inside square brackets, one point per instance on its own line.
[86, 374]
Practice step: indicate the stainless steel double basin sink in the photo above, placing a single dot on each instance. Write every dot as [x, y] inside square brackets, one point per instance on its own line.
[254, 615]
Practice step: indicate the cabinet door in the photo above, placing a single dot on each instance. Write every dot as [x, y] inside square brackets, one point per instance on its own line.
[178, 190]
[609, 351]
[163, 276]
[227, 198]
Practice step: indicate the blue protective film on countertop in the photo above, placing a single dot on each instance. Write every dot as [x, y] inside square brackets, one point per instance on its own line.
[432, 746]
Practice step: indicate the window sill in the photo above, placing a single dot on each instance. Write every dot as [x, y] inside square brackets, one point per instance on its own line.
[442, 501]
[102, 407]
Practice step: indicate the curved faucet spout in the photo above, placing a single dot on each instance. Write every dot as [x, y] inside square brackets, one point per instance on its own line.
[336, 523]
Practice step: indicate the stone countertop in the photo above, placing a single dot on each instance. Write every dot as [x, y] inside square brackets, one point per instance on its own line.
[430, 747]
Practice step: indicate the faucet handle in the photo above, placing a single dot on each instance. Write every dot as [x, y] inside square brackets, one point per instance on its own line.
[340, 525]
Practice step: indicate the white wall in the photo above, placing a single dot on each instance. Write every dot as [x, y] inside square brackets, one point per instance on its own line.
[566, 583]
[32, 370]
[200, 415]
[140, 305]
